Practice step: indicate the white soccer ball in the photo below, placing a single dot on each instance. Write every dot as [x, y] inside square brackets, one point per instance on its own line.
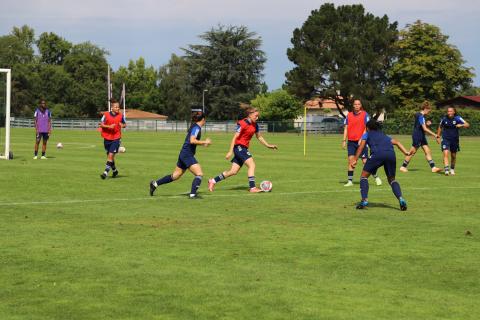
[266, 186]
[122, 149]
[59, 145]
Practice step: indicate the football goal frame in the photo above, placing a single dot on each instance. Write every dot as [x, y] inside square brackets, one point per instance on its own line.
[8, 73]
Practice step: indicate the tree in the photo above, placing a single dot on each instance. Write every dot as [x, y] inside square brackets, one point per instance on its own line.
[428, 67]
[140, 82]
[278, 105]
[229, 66]
[87, 65]
[174, 93]
[342, 53]
[52, 48]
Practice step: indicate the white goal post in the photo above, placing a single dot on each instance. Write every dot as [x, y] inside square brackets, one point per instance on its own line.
[6, 153]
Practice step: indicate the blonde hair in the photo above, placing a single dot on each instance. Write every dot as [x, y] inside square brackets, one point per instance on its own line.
[426, 105]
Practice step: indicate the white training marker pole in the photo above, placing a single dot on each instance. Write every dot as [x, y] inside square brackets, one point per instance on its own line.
[7, 115]
[109, 92]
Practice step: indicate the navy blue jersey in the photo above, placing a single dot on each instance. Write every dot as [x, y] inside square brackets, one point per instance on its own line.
[419, 122]
[449, 127]
[195, 131]
[378, 142]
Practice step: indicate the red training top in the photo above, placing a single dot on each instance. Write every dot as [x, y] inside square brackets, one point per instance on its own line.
[356, 123]
[116, 132]
[247, 129]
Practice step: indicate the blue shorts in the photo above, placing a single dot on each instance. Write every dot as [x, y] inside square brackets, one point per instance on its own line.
[387, 160]
[111, 146]
[186, 160]
[42, 135]
[352, 147]
[419, 140]
[450, 145]
[241, 154]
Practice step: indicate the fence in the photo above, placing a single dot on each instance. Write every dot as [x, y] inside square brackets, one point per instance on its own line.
[390, 126]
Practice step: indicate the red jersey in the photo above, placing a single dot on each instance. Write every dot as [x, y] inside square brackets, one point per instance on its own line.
[247, 129]
[357, 123]
[113, 133]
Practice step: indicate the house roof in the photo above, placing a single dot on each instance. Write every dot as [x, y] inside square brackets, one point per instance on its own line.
[320, 103]
[468, 99]
[132, 114]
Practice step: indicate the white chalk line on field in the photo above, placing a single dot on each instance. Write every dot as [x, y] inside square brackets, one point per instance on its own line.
[234, 195]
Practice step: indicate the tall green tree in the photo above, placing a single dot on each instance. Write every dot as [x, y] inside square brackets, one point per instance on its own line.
[428, 67]
[342, 53]
[278, 105]
[175, 94]
[140, 82]
[52, 48]
[87, 66]
[229, 65]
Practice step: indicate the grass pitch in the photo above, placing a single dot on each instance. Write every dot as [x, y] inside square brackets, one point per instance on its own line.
[75, 247]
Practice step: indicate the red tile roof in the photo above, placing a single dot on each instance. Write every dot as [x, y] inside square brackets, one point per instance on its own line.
[319, 103]
[132, 114]
[473, 98]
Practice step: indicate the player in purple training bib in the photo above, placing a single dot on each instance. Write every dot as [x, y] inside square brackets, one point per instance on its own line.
[43, 128]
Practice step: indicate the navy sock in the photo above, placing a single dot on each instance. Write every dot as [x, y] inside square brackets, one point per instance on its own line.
[431, 163]
[447, 168]
[396, 189]
[113, 166]
[219, 178]
[35, 153]
[350, 175]
[43, 153]
[452, 166]
[364, 187]
[251, 182]
[196, 184]
[166, 179]
[108, 166]
[405, 163]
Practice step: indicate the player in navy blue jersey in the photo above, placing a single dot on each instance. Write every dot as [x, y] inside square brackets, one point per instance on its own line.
[186, 158]
[381, 154]
[448, 129]
[419, 140]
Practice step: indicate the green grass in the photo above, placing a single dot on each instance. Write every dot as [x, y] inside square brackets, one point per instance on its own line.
[75, 247]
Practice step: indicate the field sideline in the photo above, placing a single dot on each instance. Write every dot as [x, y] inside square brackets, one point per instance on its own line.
[75, 247]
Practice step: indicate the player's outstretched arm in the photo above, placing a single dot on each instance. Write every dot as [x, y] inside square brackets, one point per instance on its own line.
[400, 146]
[361, 146]
[206, 142]
[425, 128]
[345, 133]
[264, 142]
[232, 144]
[465, 125]
[439, 130]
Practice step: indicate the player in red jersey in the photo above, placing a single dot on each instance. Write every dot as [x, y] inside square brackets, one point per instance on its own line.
[246, 128]
[111, 128]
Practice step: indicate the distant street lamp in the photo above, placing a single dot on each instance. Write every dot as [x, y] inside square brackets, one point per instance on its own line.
[203, 99]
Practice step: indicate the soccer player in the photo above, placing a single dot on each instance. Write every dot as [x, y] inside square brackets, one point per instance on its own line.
[111, 127]
[186, 158]
[448, 129]
[420, 127]
[246, 128]
[355, 126]
[381, 154]
[43, 128]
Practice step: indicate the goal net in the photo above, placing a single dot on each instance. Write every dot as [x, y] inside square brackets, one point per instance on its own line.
[5, 87]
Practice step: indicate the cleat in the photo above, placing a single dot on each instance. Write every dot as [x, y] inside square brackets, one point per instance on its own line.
[403, 169]
[447, 173]
[403, 204]
[35, 158]
[43, 158]
[114, 173]
[435, 169]
[255, 190]
[378, 181]
[452, 172]
[152, 188]
[194, 197]
[362, 205]
[211, 185]
[348, 184]
[103, 176]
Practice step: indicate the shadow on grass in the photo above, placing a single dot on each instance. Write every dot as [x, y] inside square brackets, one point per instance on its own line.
[382, 205]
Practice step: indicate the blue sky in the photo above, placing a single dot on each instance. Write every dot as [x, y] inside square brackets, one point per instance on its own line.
[156, 29]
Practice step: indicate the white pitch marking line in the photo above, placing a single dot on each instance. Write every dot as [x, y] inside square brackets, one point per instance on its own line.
[215, 196]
